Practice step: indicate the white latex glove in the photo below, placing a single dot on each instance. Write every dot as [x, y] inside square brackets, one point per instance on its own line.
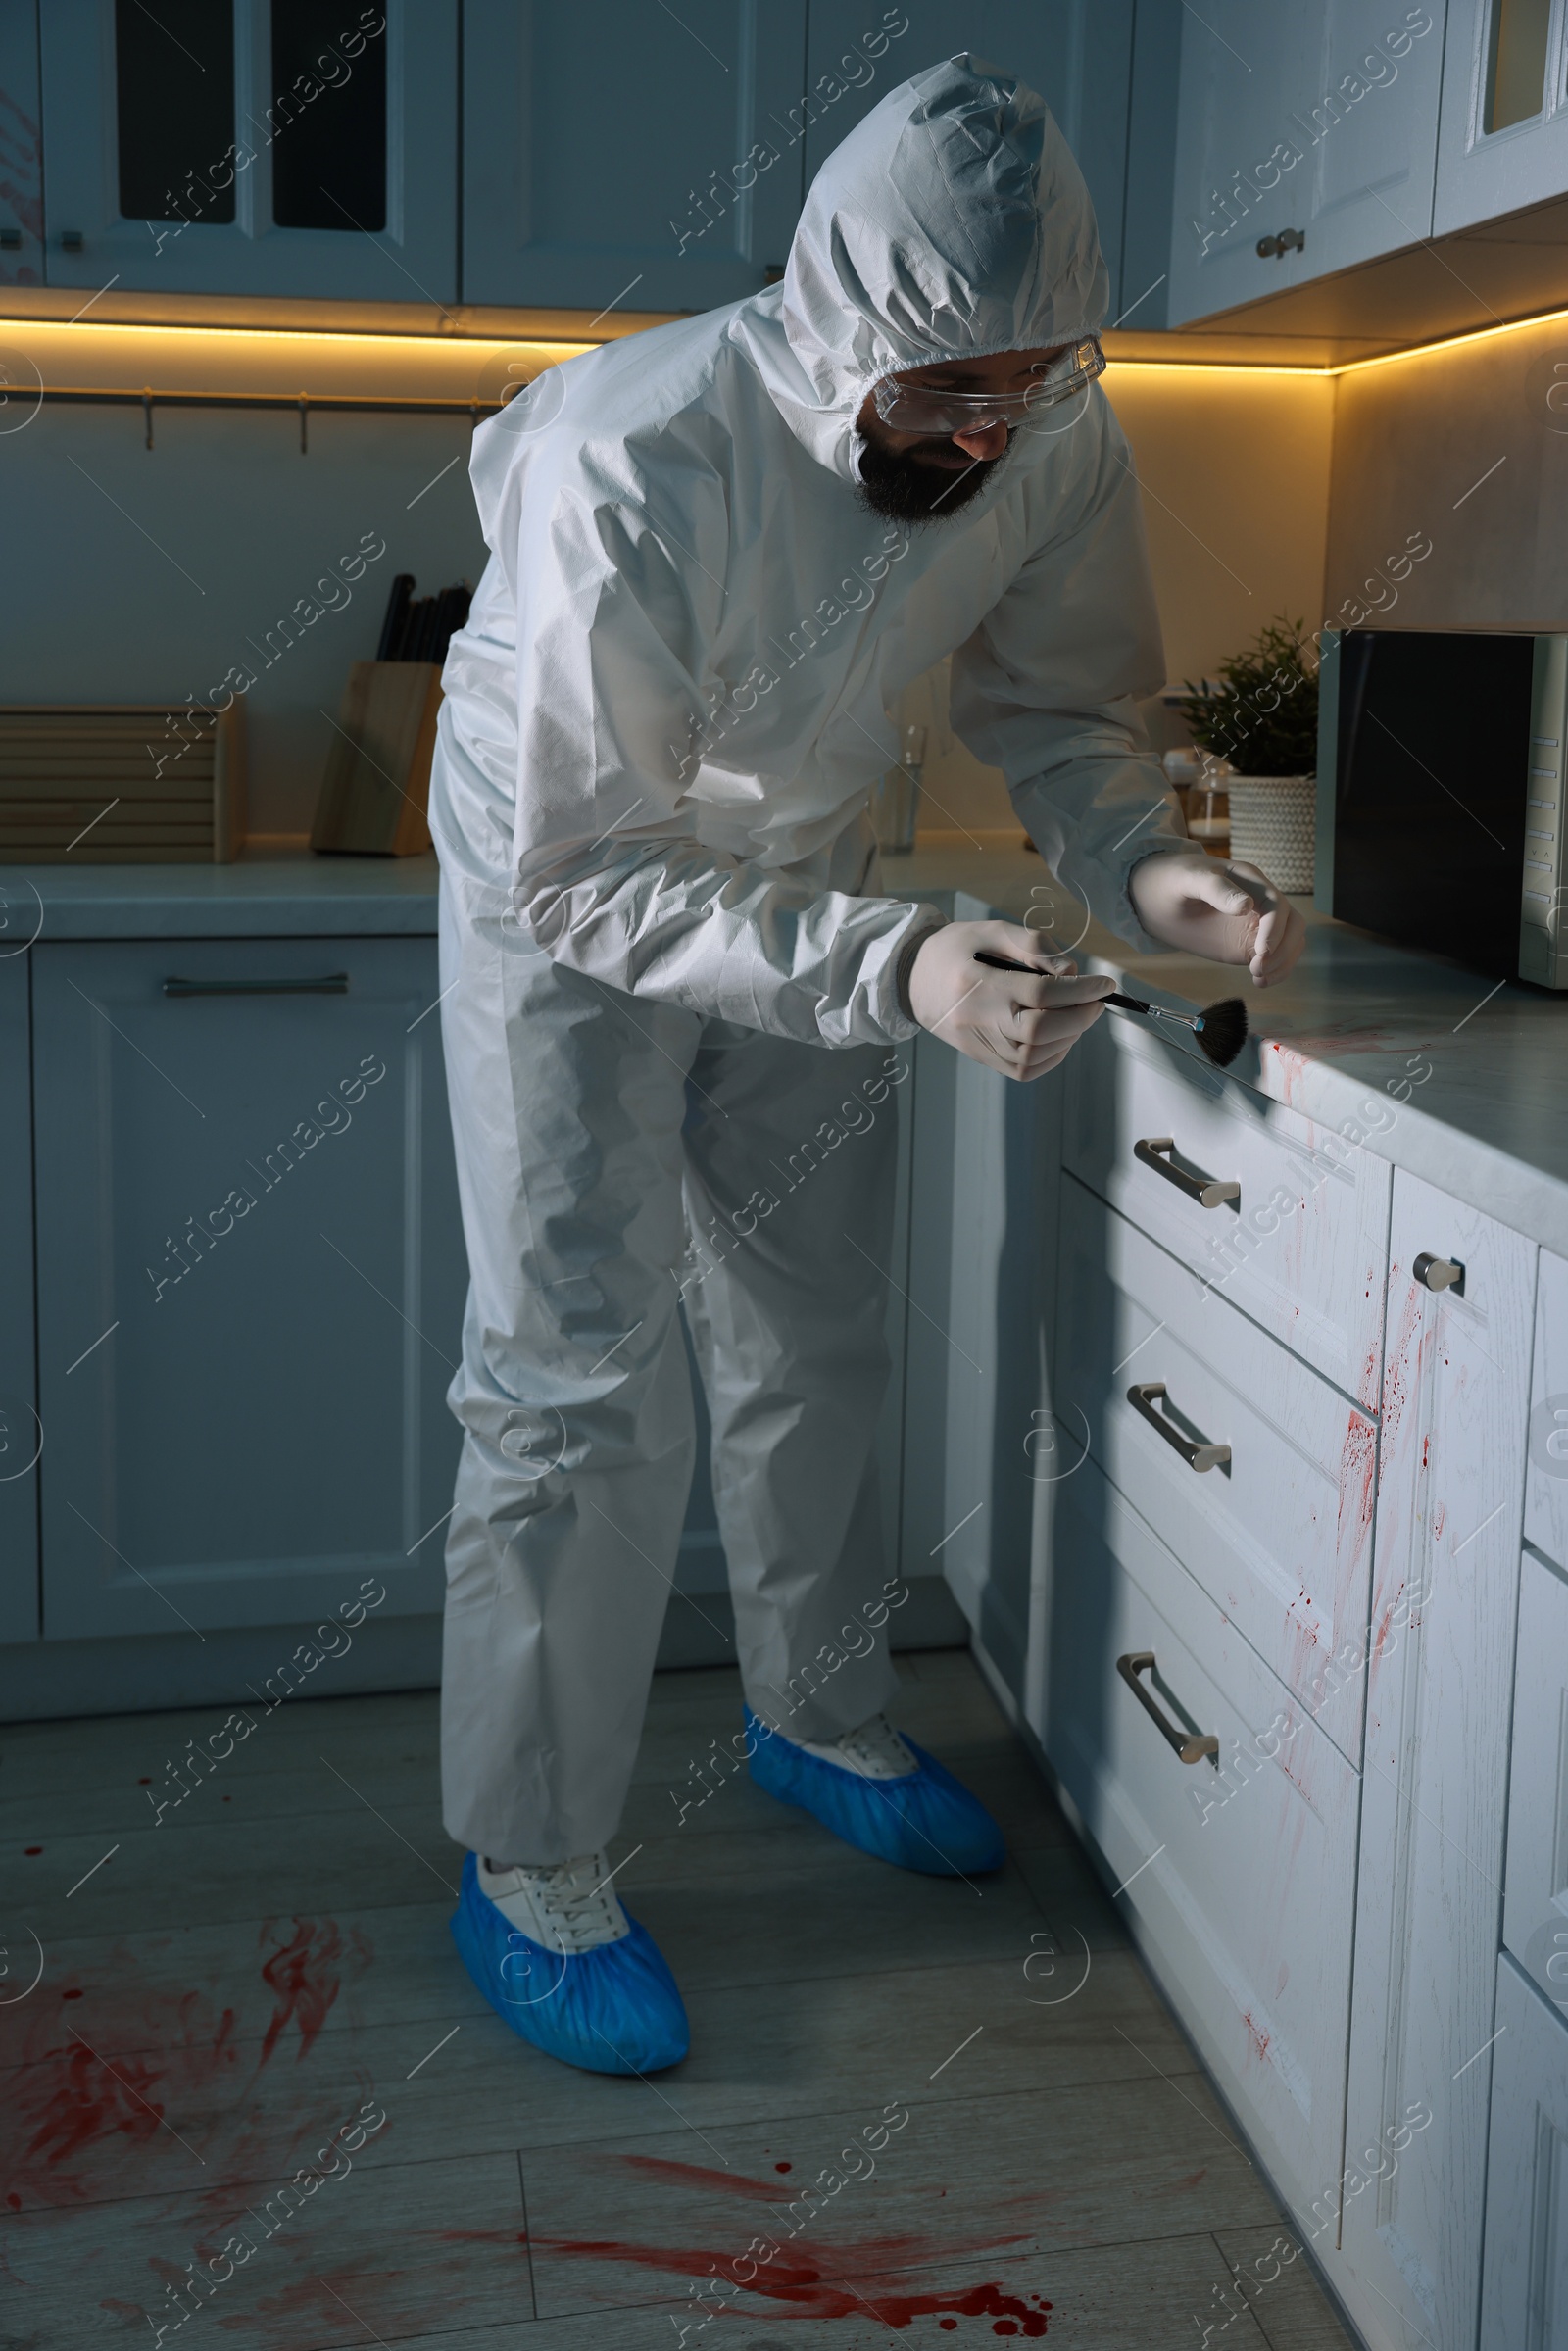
[1022, 1024]
[1230, 913]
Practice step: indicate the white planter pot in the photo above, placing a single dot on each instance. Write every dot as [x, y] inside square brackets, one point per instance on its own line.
[1274, 826]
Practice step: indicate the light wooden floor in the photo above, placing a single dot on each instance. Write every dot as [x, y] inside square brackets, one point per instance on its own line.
[228, 1989]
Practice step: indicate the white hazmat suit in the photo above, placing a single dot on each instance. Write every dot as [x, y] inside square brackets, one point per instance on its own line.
[661, 726]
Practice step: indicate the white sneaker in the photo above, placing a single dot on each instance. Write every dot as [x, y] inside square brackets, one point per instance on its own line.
[874, 1751]
[568, 1907]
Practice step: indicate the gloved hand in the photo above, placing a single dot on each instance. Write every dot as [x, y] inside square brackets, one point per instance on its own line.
[1230, 913]
[1020, 1024]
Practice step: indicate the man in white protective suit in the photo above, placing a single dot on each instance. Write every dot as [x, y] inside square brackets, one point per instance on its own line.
[719, 553]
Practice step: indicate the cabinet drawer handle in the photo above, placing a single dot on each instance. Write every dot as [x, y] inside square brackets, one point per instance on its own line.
[1439, 1273]
[1209, 1191]
[1141, 1396]
[331, 983]
[1191, 1746]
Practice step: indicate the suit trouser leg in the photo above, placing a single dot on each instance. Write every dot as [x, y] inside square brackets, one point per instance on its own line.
[791, 1165]
[568, 1099]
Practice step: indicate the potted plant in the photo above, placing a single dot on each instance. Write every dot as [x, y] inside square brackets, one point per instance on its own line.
[1261, 719]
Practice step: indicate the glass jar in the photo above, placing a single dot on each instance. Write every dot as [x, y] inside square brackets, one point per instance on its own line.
[896, 800]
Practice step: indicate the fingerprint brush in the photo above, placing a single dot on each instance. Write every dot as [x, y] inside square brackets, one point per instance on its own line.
[1220, 1029]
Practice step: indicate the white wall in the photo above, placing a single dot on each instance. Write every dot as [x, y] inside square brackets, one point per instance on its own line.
[1235, 468]
[143, 576]
[1463, 448]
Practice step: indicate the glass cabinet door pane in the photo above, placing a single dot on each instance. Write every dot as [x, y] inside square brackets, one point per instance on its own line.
[328, 119]
[1516, 61]
[175, 104]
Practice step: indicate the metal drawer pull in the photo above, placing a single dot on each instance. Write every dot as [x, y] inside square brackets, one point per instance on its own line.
[1141, 1396]
[1208, 1192]
[1439, 1273]
[331, 983]
[1191, 1746]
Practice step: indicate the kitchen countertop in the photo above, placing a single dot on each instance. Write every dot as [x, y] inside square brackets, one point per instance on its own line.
[1457, 1078]
[294, 894]
[1467, 1078]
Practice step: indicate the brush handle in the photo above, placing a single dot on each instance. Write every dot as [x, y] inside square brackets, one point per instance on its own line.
[1122, 1004]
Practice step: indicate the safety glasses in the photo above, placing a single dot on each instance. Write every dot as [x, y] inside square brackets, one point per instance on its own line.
[921, 408]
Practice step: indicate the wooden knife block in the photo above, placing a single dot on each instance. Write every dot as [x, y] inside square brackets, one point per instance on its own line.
[376, 788]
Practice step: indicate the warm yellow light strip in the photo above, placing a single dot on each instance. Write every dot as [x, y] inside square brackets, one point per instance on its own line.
[1477, 334]
[446, 361]
[287, 363]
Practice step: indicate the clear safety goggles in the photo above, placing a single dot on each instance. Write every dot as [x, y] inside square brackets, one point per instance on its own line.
[921, 408]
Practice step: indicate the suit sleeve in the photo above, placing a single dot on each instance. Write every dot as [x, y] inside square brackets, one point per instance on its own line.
[1046, 686]
[614, 720]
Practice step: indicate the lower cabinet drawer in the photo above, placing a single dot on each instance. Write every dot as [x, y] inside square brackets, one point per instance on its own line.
[1287, 1218]
[1524, 2277]
[1279, 1535]
[1241, 1866]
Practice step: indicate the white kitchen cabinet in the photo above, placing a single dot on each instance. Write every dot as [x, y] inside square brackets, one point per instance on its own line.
[1547, 1476]
[1525, 2297]
[1268, 1206]
[1157, 1367]
[979, 1442]
[667, 179]
[224, 147]
[1239, 1864]
[1503, 137]
[1076, 53]
[1316, 123]
[20, 1430]
[251, 1279]
[1446, 1568]
[1534, 1918]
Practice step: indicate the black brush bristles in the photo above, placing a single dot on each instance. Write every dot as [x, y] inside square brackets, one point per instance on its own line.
[1221, 1031]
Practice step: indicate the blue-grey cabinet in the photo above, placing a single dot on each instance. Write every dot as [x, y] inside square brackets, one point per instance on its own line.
[237, 147]
[250, 1280]
[21, 152]
[1077, 53]
[1306, 142]
[20, 1430]
[621, 153]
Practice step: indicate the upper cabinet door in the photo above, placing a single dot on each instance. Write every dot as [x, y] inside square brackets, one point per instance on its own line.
[20, 151]
[252, 147]
[1307, 141]
[1076, 53]
[1504, 138]
[620, 152]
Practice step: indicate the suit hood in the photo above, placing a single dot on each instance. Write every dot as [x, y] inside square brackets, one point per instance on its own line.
[953, 222]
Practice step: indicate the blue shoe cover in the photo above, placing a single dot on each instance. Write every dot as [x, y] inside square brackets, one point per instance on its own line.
[926, 1821]
[612, 2010]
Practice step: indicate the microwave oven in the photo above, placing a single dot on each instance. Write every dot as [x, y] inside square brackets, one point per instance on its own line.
[1440, 797]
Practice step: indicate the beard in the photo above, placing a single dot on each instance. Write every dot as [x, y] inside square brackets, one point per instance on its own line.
[906, 486]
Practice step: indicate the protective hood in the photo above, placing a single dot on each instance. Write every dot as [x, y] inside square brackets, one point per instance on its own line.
[950, 223]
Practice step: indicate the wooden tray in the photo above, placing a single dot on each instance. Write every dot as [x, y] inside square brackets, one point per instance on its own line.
[121, 784]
